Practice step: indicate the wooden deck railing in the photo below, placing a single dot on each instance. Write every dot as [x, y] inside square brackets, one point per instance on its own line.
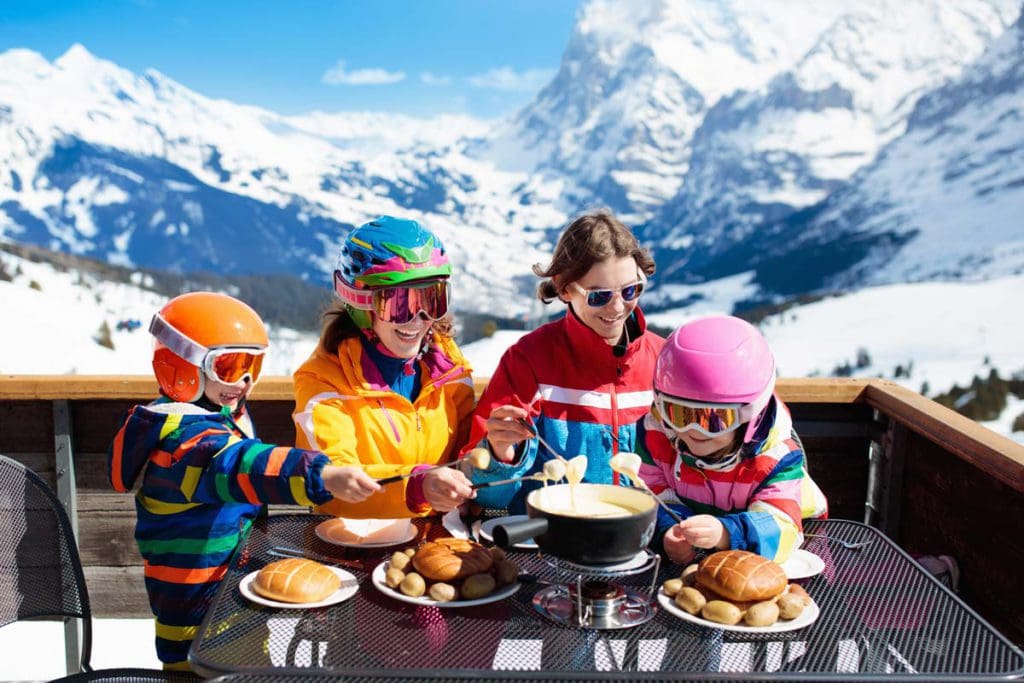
[933, 480]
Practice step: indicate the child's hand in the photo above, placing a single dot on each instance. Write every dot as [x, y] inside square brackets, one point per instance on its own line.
[504, 431]
[350, 484]
[445, 489]
[704, 531]
[678, 549]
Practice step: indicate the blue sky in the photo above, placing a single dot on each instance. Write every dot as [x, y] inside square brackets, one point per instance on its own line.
[484, 58]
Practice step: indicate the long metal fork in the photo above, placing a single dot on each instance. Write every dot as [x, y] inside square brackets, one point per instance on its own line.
[849, 545]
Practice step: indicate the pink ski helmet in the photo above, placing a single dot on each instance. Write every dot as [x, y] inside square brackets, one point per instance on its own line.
[718, 359]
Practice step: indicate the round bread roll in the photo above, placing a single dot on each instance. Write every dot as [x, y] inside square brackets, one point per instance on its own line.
[741, 576]
[296, 580]
[451, 559]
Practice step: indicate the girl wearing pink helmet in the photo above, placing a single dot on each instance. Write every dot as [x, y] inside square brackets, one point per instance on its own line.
[720, 446]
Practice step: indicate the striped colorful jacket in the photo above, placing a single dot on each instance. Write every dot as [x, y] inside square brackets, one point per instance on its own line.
[761, 493]
[584, 399]
[204, 480]
[344, 408]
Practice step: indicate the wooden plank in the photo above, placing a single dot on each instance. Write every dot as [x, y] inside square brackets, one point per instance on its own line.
[117, 592]
[996, 454]
[951, 508]
[26, 426]
[279, 388]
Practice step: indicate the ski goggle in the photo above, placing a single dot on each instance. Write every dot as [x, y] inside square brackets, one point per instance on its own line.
[596, 298]
[227, 364]
[231, 365]
[399, 304]
[710, 419]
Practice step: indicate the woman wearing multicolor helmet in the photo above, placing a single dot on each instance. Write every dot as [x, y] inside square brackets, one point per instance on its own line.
[204, 474]
[720, 446]
[582, 381]
[387, 387]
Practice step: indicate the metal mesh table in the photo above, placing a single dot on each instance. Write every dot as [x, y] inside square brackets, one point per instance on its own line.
[881, 616]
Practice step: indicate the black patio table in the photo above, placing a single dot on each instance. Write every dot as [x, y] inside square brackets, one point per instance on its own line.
[882, 616]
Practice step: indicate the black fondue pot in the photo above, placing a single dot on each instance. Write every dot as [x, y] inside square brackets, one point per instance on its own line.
[588, 540]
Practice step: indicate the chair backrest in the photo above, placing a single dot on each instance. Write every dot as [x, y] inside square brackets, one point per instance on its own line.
[41, 573]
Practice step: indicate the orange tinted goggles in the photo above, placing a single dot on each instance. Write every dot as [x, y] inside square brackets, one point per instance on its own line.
[232, 365]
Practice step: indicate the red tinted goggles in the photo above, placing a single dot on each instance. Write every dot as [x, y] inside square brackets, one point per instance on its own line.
[231, 365]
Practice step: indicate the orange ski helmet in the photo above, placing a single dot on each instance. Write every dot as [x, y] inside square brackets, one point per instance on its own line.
[205, 334]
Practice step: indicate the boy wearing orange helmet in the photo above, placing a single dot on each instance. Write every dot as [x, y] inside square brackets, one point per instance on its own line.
[206, 475]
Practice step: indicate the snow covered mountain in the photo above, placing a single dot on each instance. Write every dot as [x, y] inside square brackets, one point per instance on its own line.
[944, 200]
[762, 155]
[139, 170]
[730, 132]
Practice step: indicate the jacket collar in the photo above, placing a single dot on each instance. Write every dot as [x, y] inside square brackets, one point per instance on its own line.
[591, 346]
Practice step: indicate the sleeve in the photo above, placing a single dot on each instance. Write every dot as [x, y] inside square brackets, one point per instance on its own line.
[513, 383]
[322, 423]
[771, 525]
[652, 471]
[216, 466]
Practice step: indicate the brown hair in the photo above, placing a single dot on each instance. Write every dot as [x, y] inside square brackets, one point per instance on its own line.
[589, 239]
[339, 326]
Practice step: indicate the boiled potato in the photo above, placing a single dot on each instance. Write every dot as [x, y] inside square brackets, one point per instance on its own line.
[671, 587]
[690, 599]
[689, 575]
[505, 572]
[413, 585]
[399, 560]
[497, 553]
[442, 592]
[477, 586]
[798, 590]
[410, 551]
[722, 612]
[761, 614]
[790, 606]
[394, 577]
[479, 458]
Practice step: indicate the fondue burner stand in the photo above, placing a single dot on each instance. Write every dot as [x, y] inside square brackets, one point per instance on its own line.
[592, 600]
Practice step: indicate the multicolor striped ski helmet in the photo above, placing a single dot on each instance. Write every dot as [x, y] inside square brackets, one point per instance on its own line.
[386, 252]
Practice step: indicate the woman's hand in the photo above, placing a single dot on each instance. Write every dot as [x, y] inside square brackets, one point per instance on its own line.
[704, 531]
[446, 488]
[349, 483]
[504, 431]
[678, 549]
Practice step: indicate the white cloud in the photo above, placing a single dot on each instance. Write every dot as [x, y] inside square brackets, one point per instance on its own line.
[507, 79]
[434, 79]
[338, 75]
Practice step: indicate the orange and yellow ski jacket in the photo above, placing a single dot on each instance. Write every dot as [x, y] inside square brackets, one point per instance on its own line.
[344, 408]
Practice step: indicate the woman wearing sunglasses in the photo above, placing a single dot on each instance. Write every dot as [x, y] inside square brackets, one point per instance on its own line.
[720, 447]
[387, 388]
[581, 382]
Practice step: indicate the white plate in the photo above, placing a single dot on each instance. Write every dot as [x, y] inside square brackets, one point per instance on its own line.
[324, 533]
[803, 564]
[378, 580]
[806, 618]
[349, 586]
[487, 530]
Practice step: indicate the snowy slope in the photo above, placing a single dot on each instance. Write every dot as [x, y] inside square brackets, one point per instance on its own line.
[950, 191]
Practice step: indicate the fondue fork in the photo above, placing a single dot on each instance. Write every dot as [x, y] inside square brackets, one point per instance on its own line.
[533, 431]
[400, 477]
[538, 476]
[280, 551]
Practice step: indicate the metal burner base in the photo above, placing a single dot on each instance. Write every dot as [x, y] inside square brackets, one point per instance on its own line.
[627, 608]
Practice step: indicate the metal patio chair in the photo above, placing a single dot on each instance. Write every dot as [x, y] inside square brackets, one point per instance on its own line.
[41, 574]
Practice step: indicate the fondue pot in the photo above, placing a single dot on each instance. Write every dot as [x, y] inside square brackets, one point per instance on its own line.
[576, 526]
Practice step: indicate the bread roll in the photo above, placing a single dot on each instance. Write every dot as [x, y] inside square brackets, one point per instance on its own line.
[741, 576]
[451, 559]
[296, 580]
